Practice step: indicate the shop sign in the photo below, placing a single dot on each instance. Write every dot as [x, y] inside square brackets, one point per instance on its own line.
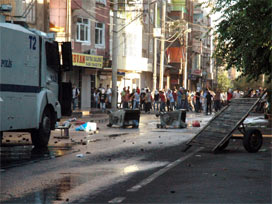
[196, 72]
[84, 60]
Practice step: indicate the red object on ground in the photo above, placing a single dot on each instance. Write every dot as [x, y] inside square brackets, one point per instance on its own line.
[79, 122]
[196, 123]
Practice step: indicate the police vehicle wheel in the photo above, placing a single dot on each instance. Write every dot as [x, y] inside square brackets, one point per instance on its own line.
[41, 136]
[253, 140]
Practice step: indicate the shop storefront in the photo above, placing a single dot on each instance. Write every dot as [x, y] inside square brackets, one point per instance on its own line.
[84, 76]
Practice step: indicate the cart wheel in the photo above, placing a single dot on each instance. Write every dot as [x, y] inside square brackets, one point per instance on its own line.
[224, 146]
[253, 140]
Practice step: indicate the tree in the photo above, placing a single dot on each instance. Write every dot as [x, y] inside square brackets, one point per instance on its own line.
[242, 83]
[244, 37]
[223, 82]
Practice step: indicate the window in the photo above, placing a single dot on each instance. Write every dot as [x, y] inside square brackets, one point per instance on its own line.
[83, 30]
[99, 34]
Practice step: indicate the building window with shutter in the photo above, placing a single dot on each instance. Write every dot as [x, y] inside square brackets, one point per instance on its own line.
[83, 30]
[99, 35]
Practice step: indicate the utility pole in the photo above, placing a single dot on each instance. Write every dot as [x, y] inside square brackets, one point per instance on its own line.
[155, 49]
[186, 60]
[162, 44]
[114, 55]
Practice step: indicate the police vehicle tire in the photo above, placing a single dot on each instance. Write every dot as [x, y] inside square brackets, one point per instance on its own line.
[40, 137]
[253, 140]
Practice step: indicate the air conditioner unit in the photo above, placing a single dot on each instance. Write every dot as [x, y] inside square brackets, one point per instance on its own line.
[92, 51]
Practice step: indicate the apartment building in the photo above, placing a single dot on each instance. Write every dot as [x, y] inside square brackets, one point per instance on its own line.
[133, 57]
[202, 71]
[180, 19]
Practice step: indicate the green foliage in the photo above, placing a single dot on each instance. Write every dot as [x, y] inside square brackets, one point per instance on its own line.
[243, 84]
[244, 36]
[223, 82]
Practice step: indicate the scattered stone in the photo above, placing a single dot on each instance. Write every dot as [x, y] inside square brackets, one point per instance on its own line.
[109, 159]
[198, 155]
[133, 143]
[173, 191]
[56, 142]
[27, 140]
[24, 138]
[149, 142]
[67, 200]
[159, 136]
[124, 140]
[88, 152]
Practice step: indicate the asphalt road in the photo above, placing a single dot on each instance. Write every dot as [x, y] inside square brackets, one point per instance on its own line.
[144, 165]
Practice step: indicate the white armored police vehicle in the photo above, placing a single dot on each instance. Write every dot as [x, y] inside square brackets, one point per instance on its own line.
[30, 81]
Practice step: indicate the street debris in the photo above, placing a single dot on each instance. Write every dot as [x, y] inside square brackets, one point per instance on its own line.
[263, 150]
[196, 123]
[87, 127]
[256, 121]
[173, 191]
[88, 152]
[198, 155]
[79, 155]
[149, 142]
[214, 174]
[174, 119]
[123, 118]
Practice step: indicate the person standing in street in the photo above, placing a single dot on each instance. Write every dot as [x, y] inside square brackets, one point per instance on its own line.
[75, 94]
[148, 101]
[208, 102]
[162, 99]
[102, 100]
[229, 96]
[136, 101]
[156, 100]
[109, 95]
[197, 101]
[216, 99]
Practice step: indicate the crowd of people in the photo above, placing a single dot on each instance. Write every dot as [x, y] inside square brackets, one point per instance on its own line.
[205, 101]
[200, 101]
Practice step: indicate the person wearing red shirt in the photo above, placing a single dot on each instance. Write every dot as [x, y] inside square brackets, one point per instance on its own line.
[229, 96]
[162, 99]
